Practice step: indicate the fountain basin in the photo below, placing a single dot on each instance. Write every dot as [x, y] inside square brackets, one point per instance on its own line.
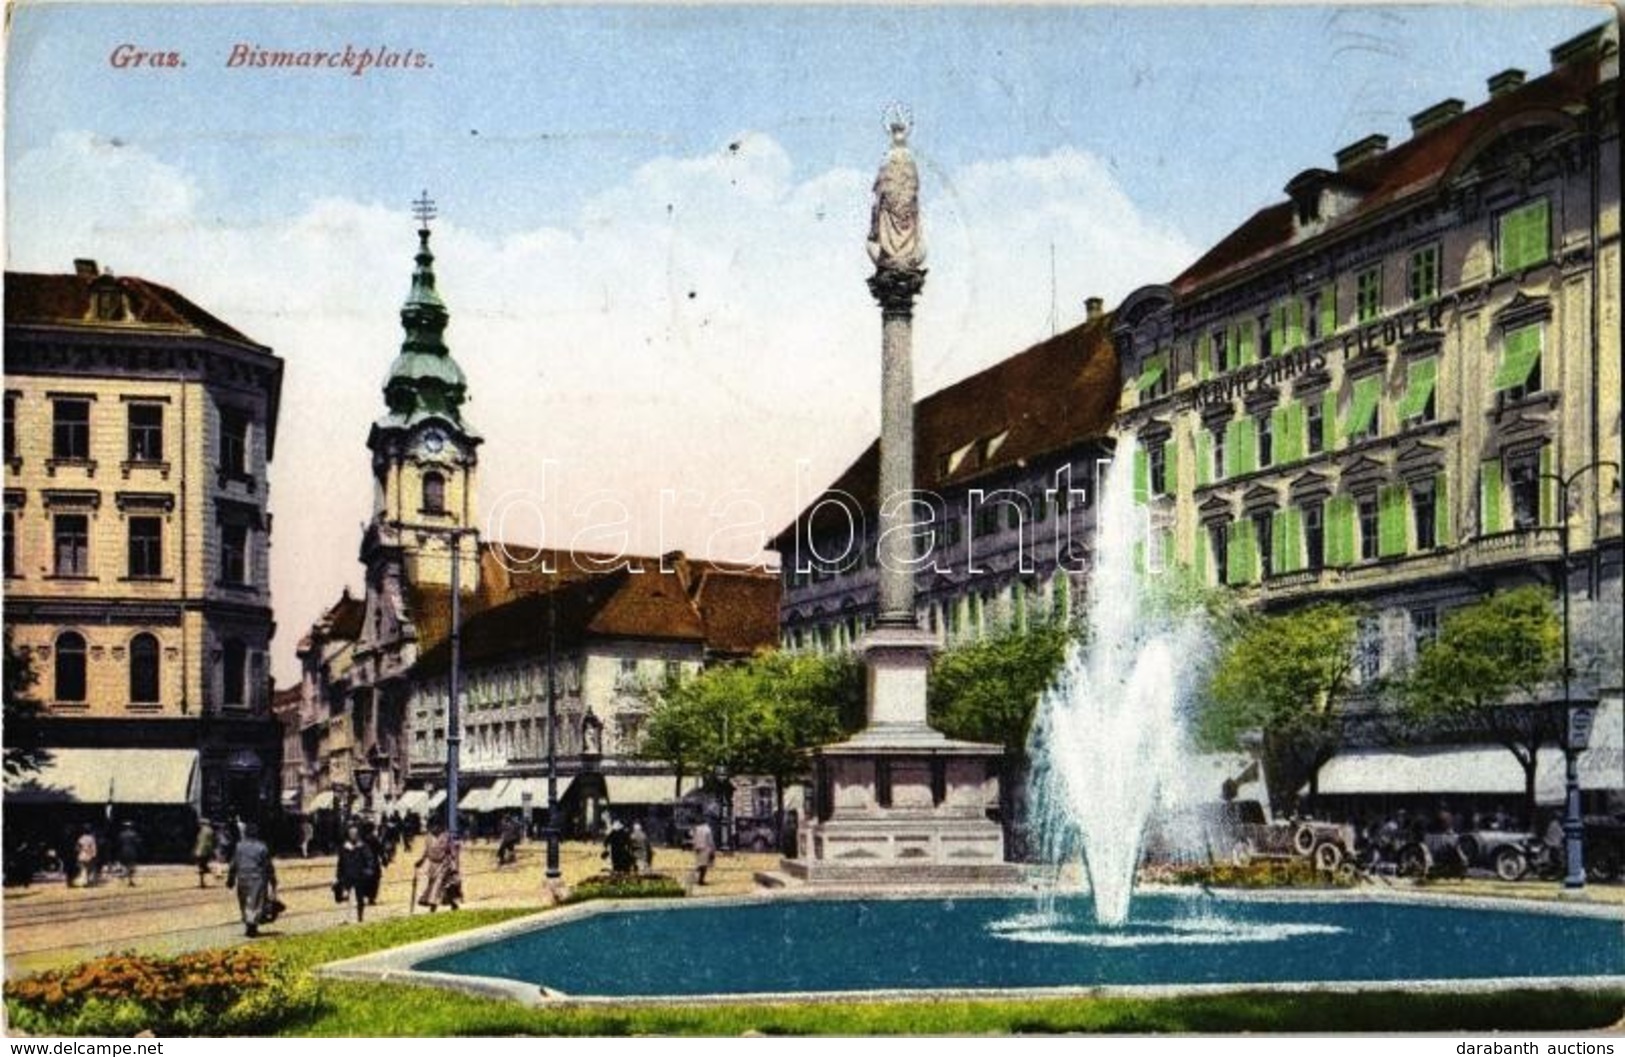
[808, 946]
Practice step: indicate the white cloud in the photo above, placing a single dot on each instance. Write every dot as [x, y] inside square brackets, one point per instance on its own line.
[703, 325]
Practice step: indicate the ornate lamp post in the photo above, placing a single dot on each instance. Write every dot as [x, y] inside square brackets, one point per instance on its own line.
[365, 775]
[552, 832]
[1577, 716]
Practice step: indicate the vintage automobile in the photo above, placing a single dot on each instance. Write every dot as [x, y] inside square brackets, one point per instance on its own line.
[1244, 832]
[1506, 852]
[1605, 847]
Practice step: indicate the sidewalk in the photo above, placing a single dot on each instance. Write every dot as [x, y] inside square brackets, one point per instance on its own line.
[49, 924]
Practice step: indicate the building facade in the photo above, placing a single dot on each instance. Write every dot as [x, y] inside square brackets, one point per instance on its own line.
[1372, 390]
[1006, 470]
[372, 717]
[138, 432]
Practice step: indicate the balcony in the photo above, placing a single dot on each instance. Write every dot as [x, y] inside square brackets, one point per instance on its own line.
[1518, 546]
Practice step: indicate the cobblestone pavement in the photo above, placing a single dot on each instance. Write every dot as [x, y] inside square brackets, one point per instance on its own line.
[49, 924]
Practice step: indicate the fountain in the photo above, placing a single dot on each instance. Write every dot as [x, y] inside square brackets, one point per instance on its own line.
[1108, 737]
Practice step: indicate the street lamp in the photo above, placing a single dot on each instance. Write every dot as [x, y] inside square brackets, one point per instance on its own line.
[364, 778]
[1576, 717]
[552, 832]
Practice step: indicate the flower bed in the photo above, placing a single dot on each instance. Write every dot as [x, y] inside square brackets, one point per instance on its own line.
[235, 991]
[625, 886]
[1263, 873]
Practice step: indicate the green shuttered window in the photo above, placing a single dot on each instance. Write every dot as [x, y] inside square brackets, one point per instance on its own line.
[1441, 511]
[1526, 236]
[1548, 488]
[1204, 457]
[1520, 349]
[1340, 530]
[1286, 540]
[1362, 409]
[1328, 310]
[1392, 511]
[1155, 367]
[1489, 497]
[1142, 475]
[1242, 566]
[1420, 378]
[1240, 447]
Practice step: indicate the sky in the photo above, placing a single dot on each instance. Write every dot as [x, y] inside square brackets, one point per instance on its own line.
[652, 218]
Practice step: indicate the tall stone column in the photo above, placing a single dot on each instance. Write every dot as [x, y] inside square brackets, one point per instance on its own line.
[895, 290]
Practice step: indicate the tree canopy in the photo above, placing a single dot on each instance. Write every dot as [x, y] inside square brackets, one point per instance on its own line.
[22, 754]
[1285, 676]
[1486, 672]
[987, 690]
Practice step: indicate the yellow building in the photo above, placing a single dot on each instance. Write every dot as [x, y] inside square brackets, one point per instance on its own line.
[138, 430]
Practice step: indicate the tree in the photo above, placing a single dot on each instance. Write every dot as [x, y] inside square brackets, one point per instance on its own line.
[986, 690]
[22, 752]
[757, 716]
[1485, 673]
[1285, 676]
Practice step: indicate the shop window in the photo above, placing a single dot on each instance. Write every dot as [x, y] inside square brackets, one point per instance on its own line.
[69, 662]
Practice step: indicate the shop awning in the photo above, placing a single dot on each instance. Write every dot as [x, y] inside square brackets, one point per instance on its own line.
[436, 798]
[1482, 769]
[645, 788]
[510, 793]
[412, 800]
[322, 801]
[476, 799]
[110, 776]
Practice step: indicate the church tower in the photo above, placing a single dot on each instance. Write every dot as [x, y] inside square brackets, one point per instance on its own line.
[423, 452]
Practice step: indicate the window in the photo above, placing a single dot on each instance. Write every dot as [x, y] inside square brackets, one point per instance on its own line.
[1523, 481]
[11, 544]
[1368, 295]
[109, 302]
[1221, 354]
[1314, 427]
[1524, 236]
[1157, 454]
[70, 429]
[1263, 540]
[1368, 650]
[1314, 535]
[144, 670]
[1424, 629]
[234, 554]
[1423, 519]
[1218, 453]
[629, 666]
[1266, 442]
[11, 428]
[70, 667]
[1416, 407]
[1312, 316]
[72, 539]
[146, 548]
[1519, 372]
[1366, 508]
[1219, 542]
[434, 493]
[1266, 337]
[1360, 422]
[146, 432]
[1422, 274]
[234, 674]
[233, 443]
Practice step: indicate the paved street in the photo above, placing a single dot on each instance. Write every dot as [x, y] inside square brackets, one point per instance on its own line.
[50, 924]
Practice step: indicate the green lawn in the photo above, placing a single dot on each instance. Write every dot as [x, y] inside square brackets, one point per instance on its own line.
[359, 1009]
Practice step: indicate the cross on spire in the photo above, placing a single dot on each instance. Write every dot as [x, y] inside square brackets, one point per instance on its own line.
[423, 209]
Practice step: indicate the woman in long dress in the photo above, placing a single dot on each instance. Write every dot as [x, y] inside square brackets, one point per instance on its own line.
[442, 875]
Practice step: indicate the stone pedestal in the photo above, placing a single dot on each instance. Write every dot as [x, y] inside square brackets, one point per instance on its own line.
[899, 803]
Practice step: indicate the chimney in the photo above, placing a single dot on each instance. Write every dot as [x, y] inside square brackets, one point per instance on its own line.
[1093, 309]
[85, 268]
[1436, 115]
[1579, 48]
[1505, 81]
[1360, 151]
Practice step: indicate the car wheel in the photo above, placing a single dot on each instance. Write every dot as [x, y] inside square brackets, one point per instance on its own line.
[1328, 857]
[1413, 861]
[1604, 867]
[1510, 864]
[1303, 840]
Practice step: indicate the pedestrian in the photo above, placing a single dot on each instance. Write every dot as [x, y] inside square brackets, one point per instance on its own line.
[618, 849]
[85, 855]
[508, 845]
[307, 833]
[705, 849]
[253, 874]
[442, 874]
[128, 848]
[203, 851]
[357, 871]
[642, 849]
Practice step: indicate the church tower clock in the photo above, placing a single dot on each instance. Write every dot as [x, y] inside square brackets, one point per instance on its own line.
[423, 452]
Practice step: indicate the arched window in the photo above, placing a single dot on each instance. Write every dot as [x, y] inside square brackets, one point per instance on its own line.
[434, 493]
[70, 666]
[235, 669]
[144, 669]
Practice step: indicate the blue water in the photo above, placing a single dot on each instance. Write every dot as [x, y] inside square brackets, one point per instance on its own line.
[860, 945]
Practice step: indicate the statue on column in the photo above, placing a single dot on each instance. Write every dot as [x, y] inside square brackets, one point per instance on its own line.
[894, 223]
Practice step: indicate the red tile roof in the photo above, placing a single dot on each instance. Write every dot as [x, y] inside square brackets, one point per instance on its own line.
[1045, 399]
[1414, 167]
[66, 301]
